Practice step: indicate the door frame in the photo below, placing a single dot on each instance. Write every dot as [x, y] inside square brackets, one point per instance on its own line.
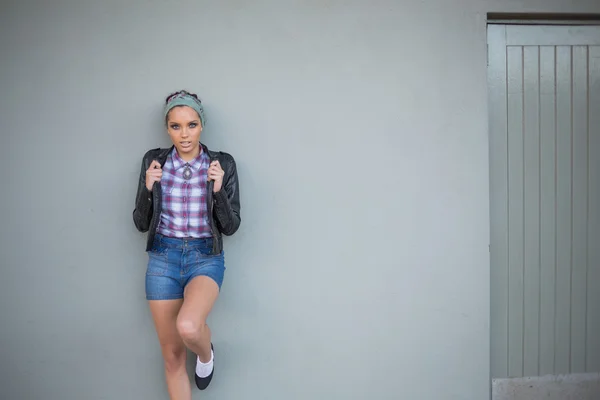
[541, 19]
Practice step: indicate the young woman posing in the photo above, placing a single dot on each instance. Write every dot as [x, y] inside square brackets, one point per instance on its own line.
[187, 199]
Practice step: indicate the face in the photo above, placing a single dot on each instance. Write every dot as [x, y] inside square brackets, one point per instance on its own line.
[184, 128]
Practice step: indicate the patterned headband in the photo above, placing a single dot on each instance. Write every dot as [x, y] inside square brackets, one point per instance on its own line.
[183, 98]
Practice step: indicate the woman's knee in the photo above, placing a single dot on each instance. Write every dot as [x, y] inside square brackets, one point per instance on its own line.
[190, 329]
[174, 357]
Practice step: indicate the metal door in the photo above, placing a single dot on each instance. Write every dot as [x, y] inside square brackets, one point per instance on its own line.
[544, 88]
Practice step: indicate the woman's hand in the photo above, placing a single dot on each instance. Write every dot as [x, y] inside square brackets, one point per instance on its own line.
[153, 174]
[216, 173]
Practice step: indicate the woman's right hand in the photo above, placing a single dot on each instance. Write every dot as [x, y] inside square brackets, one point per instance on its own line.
[153, 174]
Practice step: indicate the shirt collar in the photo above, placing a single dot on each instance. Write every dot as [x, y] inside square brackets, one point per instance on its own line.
[195, 163]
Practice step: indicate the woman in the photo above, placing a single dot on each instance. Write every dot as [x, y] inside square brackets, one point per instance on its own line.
[187, 198]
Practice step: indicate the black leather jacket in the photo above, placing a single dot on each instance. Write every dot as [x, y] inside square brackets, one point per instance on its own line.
[223, 206]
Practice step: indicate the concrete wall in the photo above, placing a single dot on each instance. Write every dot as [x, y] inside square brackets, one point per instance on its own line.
[360, 129]
[548, 387]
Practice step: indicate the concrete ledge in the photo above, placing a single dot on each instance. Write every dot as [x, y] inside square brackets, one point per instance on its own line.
[550, 387]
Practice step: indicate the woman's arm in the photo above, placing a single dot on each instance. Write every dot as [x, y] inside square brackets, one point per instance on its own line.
[227, 200]
[142, 213]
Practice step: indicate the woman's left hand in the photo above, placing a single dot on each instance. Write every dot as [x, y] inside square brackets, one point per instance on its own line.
[216, 173]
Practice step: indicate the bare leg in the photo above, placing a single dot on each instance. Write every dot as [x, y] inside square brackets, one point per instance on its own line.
[164, 313]
[199, 297]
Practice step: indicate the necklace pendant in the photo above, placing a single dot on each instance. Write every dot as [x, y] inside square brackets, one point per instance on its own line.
[187, 173]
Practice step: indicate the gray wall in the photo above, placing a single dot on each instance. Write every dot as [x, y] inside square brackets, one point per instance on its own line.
[361, 269]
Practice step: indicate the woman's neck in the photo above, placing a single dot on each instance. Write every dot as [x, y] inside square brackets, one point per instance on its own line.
[187, 157]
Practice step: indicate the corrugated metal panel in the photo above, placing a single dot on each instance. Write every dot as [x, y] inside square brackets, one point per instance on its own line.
[545, 200]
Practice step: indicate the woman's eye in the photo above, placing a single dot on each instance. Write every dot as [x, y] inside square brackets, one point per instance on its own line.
[174, 126]
[193, 125]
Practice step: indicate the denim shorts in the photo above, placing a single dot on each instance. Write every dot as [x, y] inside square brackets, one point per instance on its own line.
[174, 262]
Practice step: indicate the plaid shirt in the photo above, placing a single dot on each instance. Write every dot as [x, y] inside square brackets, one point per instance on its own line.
[184, 212]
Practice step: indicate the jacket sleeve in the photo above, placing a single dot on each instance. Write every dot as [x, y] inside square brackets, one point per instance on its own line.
[227, 201]
[142, 213]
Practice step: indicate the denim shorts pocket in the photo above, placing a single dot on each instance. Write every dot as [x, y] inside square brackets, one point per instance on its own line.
[204, 253]
[205, 256]
[158, 262]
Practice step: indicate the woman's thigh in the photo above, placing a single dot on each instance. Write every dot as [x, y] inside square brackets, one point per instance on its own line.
[205, 277]
[199, 297]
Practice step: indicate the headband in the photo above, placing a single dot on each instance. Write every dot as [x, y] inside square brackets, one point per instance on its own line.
[184, 99]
